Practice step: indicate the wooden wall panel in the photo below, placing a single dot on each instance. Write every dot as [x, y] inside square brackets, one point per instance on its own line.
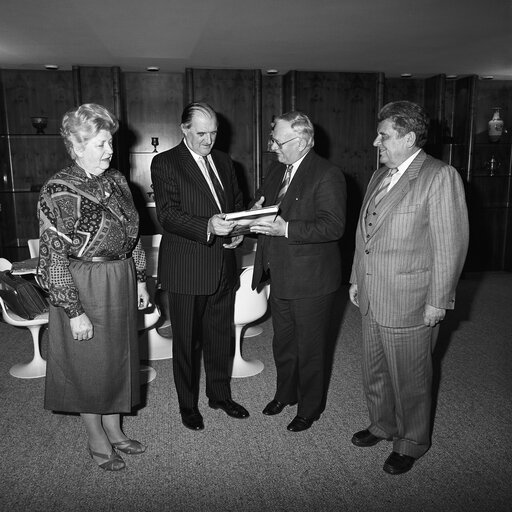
[232, 94]
[272, 105]
[36, 93]
[35, 159]
[153, 106]
[342, 107]
[410, 89]
[96, 85]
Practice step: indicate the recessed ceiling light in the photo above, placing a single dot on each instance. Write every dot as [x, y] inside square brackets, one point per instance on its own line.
[153, 68]
[272, 71]
[51, 66]
[451, 77]
[487, 77]
[406, 75]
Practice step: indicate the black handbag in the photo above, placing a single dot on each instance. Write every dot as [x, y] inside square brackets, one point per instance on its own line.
[23, 297]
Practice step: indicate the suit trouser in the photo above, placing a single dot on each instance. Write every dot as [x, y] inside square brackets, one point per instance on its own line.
[300, 344]
[397, 381]
[202, 324]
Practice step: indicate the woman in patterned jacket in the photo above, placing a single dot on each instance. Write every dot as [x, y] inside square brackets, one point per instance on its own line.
[93, 266]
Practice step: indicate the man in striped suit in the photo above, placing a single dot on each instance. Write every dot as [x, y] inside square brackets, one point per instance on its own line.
[195, 185]
[411, 243]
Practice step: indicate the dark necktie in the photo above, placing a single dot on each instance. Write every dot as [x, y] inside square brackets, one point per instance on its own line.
[219, 191]
[285, 183]
[384, 184]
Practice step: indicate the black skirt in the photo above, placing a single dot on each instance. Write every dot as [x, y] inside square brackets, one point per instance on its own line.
[100, 375]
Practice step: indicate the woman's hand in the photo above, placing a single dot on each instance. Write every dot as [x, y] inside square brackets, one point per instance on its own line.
[81, 327]
[143, 301]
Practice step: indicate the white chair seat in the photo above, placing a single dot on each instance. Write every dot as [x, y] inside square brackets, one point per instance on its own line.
[37, 366]
[250, 305]
[158, 347]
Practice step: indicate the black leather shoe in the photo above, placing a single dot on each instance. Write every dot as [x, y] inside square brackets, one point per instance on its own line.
[396, 463]
[230, 407]
[299, 424]
[365, 438]
[191, 418]
[275, 407]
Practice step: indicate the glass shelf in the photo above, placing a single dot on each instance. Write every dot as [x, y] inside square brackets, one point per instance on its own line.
[20, 190]
[487, 175]
[29, 135]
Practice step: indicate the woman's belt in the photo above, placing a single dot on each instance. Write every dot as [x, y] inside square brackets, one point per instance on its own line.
[98, 259]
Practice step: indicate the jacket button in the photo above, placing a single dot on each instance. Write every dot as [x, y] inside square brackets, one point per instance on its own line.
[367, 251]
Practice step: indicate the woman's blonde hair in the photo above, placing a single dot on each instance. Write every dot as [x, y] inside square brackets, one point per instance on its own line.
[81, 124]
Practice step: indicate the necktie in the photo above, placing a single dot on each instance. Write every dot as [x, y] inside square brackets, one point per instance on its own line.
[384, 184]
[216, 184]
[285, 183]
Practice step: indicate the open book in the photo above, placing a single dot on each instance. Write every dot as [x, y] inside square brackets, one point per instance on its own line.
[247, 218]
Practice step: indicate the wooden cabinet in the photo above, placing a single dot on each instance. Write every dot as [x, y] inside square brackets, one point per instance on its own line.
[27, 158]
[486, 167]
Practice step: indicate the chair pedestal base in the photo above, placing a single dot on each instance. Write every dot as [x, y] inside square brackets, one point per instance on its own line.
[33, 370]
[159, 347]
[254, 330]
[243, 368]
[147, 374]
[153, 346]
[37, 367]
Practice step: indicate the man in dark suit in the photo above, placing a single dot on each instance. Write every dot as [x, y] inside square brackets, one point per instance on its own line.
[300, 253]
[411, 243]
[195, 185]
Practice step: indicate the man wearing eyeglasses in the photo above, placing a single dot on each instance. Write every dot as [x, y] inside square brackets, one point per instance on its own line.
[299, 253]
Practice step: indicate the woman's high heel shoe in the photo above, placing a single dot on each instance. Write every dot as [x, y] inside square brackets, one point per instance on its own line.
[113, 462]
[130, 446]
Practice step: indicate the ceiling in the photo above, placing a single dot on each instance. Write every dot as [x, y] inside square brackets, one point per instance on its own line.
[421, 37]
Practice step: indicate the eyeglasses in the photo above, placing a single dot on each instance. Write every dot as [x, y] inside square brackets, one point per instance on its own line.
[280, 145]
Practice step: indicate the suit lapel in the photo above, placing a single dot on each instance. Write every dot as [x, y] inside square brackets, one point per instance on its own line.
[273, 183]
[192, 169]
[298, 181]
[396, 194]
[225, 179]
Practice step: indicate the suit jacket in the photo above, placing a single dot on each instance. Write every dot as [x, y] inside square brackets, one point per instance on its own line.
[189, 263]
[416, 250]
[308, 262]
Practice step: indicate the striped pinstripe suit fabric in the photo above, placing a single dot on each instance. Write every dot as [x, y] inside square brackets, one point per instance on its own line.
[410, 251]
[199, 274]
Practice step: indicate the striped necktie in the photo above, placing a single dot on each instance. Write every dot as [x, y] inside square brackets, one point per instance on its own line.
[384, 184]
[216, 184]
[285, 184]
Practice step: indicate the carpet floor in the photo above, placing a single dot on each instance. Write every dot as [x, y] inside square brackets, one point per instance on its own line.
[255, 464]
